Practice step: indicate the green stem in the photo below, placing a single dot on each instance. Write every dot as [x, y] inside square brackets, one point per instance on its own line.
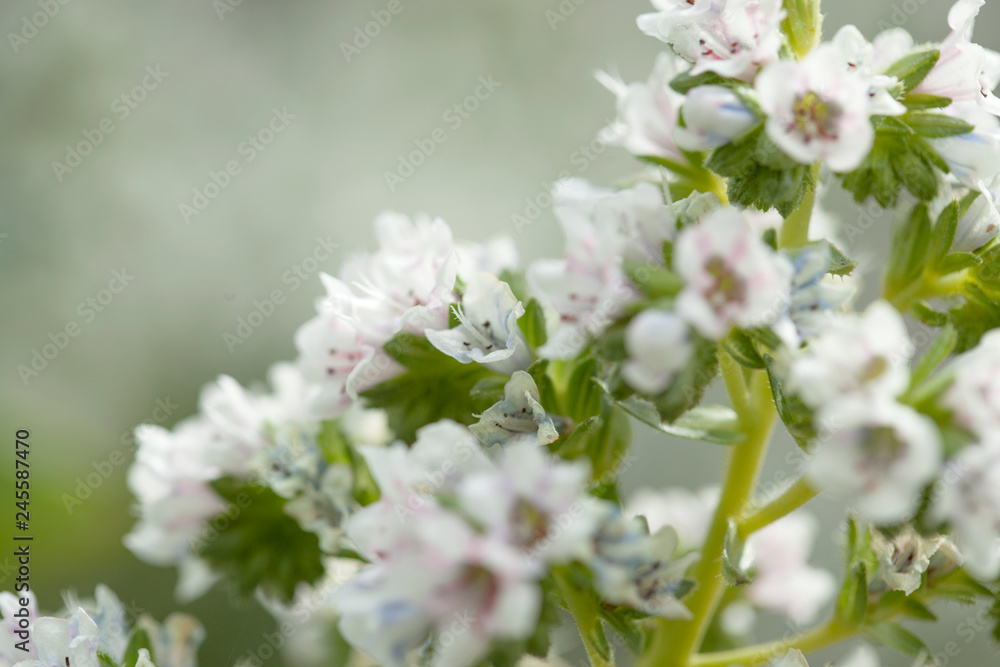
[761, 654]
[674, 643]
[736, 386]
[792, 498]
[795, 229]
[585, 614]
[928, 287]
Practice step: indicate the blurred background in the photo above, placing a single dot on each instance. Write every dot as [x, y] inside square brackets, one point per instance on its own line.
[313, 114]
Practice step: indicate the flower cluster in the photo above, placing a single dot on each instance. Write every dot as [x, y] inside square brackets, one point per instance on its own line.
[439, 469]
[93, 633]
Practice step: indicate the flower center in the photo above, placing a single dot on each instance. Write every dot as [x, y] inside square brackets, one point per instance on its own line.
[816, 118]
[728, 287]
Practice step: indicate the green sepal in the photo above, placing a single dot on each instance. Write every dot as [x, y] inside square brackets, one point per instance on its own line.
[532, 324]
[912, 68]
[138, 640]
[796, 417]
[897, 637]
[741, 348]
[938, 351]
[908, 255]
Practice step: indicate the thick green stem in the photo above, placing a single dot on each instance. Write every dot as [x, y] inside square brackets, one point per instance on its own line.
[675, 642]
[795, 229]
[927, 287]
[761, 654]
[792, 498]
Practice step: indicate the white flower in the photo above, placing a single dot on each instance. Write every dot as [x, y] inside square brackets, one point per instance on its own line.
[793, 658]
[647, 111]
[733, 278]
[640, 218]
[877, 453]
[783, 579]
[12, 632]
[866, 354]
[729, 37]
[965, 70]
[407, 285]
[817, 110]
[494, 255]
[635, 568]
[687, 512]
[814, 296]
[969, 500]
[713, 116]
[658, 346]
[974, 157]
[60, 642]
[517, 417]
[459, 544]
[859, 58]
[487, 332]
[587, 288]
[904, 558]
[981, 222]
[974, 394]
[779, 553]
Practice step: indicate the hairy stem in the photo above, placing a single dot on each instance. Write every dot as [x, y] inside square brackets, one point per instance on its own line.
[674, 643]
[792, 498]
[795, 229]
[761, 654]
[585, 615]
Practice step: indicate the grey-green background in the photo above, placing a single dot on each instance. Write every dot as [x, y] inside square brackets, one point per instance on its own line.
[162, 337]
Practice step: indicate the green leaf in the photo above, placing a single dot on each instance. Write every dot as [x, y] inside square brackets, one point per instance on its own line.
[546, 389]
[107, 661]
[913, 67]
[896, 636]
[139, 639]
[532, 324]
[741, 348]
[654, 281]
[924, 312]
[935, 125]
[408, 399]
[840, 264]
[909, 251]
[939, 350]
[914, 608]
[920, 101]
[517, 283]
[261, 546]
[622, 624]
[852, 605]
[582, 399]
[709, 423]
[916, 174]
[944, 233]
[690, 383]
[958, 261]
[735, 568]
[685, 81]
[796, 417]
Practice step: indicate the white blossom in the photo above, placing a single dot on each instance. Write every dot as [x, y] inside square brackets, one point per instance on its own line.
[980, 224]
[487, 332]
[974, 157]
[406, 285]
[517, 417]
[974, 394]
[729, 37]
[783, 580]
[713, 116]
[969, 500]
[817, 109]
[733, 278]
[864, 354]
[638, 569]
[588, 288]
[965, 70]
[658, 347]
[647, 111]
[878, 454]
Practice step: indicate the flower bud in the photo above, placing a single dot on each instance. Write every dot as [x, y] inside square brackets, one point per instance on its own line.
[713, 116]
[980, 223]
